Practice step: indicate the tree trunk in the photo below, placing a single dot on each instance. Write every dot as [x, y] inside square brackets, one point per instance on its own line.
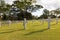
[24, 23]
[49, 20]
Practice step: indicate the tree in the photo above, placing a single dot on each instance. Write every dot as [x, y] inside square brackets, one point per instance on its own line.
[2, 4]
[45, 14]
[57, 12]
[4, 7]
[26, 7]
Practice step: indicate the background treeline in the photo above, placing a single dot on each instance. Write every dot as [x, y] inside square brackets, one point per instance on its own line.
[20, 10]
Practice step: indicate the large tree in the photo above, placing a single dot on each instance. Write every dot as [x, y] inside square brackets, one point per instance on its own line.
[57, 12]
[27, 8]
[45, 14]
[4, 7]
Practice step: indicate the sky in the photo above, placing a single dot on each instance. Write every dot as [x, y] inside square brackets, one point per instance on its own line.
[47, 4]
[9, 1]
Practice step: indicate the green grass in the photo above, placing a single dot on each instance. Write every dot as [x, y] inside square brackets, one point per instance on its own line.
[34, 31]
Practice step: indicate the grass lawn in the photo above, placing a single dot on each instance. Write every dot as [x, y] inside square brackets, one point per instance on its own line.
[34, 31]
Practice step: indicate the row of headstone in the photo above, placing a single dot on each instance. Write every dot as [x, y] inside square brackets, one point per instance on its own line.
[56, 20]
[7, 22]
[49, 21]
[25, 22]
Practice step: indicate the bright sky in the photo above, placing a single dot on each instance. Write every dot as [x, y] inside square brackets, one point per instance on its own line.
[9, 1]
[47, 4]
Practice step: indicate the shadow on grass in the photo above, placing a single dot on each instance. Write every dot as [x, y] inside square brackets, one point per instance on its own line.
[10, 31]
[53, 24]
[37, 31]
[37, 25]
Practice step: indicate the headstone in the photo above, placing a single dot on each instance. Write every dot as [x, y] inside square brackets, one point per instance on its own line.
[49, 22]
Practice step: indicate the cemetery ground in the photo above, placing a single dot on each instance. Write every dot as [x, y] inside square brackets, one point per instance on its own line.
[35, 30]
